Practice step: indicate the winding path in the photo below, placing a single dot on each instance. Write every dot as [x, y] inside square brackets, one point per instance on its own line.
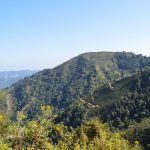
[9, 103]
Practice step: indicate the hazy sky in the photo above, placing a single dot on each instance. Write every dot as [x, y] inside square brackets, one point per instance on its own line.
[37, 34]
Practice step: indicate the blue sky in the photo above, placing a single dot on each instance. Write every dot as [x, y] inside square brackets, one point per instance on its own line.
[38, 34]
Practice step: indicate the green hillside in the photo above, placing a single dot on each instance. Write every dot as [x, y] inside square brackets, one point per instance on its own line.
[76, 79]
[112, 92]
[125, 102]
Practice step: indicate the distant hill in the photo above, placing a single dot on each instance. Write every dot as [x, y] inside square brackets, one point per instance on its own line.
[74, 80]
[7, 78]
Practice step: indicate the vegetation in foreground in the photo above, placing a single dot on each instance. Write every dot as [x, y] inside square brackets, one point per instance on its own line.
[42, 133]
[139, 132]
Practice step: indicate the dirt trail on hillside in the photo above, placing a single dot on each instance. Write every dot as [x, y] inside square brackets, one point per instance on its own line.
[9, 103]
[89, 104]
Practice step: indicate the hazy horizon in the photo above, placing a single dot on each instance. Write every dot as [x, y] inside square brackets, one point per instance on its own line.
[37, 34]
[40, 69]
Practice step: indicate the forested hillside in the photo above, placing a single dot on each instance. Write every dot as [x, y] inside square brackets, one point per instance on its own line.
[78, 78]
[127, 102]
[123, 104]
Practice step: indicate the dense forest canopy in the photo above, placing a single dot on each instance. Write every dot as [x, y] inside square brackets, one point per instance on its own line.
[42, 133]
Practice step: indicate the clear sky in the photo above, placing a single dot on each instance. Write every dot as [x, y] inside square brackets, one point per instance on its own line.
[38, 34]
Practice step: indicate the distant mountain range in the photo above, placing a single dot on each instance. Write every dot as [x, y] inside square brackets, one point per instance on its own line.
[7, 78]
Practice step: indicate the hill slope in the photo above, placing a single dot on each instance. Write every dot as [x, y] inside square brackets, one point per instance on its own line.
[73, 80]
[126, 102]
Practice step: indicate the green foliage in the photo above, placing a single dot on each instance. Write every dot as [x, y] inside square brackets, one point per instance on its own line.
[139, 132]
[131, 61]
[94, 135]
[74, 115]
[32, 134]
[42, 133]
[3, 106]
[126, 102]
